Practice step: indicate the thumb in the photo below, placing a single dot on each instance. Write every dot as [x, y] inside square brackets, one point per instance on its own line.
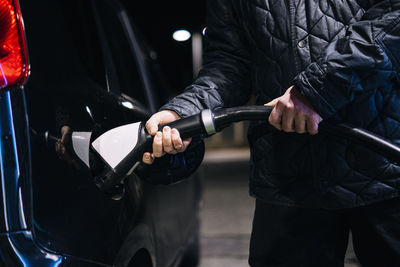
[152, 123]
[272, 103]
[65, 134]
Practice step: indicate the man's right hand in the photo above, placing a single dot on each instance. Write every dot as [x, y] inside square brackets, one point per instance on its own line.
[167, 141]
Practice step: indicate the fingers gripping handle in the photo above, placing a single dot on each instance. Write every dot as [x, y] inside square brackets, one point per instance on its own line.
[209, 122]
[199, 124]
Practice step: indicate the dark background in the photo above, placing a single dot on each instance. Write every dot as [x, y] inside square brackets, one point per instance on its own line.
[157, 21]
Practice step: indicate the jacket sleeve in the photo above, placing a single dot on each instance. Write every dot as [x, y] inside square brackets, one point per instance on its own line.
[224, 78]
[365, 59]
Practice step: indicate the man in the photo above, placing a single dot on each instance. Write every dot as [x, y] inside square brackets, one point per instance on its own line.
[337, 61]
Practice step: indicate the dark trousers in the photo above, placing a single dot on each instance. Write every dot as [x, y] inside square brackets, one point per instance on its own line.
[287, 236]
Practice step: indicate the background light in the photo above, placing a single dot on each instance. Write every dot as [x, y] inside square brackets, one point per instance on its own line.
[127, 104]
[181, 35]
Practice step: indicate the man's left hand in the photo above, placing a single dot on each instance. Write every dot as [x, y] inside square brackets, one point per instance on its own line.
[293, 113]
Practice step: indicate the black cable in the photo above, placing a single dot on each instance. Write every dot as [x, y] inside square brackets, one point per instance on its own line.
[194, 126]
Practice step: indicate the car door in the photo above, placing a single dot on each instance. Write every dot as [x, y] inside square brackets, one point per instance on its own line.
[70, 88]
[89, 74]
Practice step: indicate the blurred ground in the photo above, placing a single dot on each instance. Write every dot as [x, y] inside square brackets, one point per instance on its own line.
[228, 210]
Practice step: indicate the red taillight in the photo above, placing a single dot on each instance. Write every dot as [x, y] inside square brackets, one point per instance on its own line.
[14, 67]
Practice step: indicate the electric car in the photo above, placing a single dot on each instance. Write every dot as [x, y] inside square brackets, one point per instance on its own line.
[90, 71]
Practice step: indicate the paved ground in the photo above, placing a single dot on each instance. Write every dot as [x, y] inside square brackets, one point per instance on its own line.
[227, 211]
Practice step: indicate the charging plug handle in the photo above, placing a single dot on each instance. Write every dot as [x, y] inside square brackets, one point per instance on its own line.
[209, 122]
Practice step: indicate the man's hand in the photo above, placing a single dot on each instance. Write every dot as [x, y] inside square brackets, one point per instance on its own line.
[167, 141]
[293, 113]
[62, 144]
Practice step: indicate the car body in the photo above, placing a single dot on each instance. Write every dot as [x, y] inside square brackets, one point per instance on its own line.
[90, 71]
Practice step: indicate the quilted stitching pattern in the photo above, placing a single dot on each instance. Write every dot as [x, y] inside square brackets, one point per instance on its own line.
[284, 38]
[317, 24]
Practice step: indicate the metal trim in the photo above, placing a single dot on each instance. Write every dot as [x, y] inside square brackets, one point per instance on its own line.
[208, 121]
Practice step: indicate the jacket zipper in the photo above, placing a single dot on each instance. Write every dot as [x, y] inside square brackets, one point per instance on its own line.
[292, 30]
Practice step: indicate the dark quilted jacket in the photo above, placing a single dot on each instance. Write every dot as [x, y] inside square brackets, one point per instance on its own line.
[344, 56]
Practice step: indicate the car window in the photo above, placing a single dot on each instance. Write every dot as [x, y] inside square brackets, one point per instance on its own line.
[122, 55]
[82, 25]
